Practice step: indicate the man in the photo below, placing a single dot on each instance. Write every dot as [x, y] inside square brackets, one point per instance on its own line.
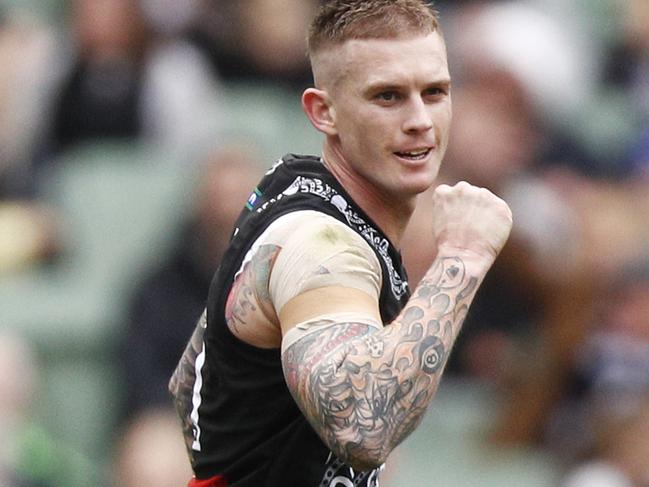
[312, 362]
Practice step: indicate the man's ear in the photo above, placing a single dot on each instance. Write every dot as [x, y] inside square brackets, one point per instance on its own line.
[318, 108]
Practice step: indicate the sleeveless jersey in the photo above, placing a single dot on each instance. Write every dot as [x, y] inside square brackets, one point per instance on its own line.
[246, 426]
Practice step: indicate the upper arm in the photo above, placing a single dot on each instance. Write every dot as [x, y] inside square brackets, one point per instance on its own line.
[320, 328]
[325, 285]
[306, 264]
[324, 268]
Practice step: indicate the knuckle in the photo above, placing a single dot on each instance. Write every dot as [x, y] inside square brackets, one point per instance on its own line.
[442, 192]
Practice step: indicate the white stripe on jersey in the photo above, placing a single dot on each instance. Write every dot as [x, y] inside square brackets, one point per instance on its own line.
[197, 399]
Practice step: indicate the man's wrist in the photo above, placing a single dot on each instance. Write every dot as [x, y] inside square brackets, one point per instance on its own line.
[476, 263]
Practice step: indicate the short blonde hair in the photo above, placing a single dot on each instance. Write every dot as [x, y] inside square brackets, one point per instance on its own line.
[340, 20]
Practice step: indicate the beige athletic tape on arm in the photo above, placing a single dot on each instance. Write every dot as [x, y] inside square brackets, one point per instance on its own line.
[322, 252]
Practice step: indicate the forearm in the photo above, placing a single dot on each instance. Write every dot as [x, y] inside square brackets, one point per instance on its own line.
[364, 390]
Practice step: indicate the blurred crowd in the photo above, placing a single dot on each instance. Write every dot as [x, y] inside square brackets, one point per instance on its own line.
[551, 112]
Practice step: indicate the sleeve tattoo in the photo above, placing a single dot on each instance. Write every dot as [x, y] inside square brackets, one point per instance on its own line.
[365, 390]
[249, 297]
[249, 294]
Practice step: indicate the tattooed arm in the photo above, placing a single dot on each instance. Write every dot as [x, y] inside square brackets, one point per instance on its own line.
[364, 390]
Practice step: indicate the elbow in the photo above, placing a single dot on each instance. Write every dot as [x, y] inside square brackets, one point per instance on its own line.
[362, 456]
[365, 463]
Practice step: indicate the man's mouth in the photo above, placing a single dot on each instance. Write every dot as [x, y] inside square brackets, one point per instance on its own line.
[414, 155]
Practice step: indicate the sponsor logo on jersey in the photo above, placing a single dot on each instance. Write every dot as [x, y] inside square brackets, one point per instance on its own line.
[252, 199]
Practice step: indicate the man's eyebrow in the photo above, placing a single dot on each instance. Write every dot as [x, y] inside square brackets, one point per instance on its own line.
[381, 86]
[441, 83]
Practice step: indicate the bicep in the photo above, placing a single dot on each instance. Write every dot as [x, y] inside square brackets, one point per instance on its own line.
[316, 327]
[329, 370]
[322, 380]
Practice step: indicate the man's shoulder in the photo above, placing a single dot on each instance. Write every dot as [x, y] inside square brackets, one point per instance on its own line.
[293, 158]
[296, 162]
[309, 224]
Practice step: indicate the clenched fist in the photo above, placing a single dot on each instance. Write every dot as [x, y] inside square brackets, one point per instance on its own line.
[468, 219]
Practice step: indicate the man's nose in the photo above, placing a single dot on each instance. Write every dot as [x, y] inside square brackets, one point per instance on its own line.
[418, 117]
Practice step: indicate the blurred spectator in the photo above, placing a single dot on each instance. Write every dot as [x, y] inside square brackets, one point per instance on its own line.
[18, 377]
[152, 453]
[126, 83]
[100, 97]
[545, 57]
[171, 18]
[614, 360]
[620, 455]
[611, 229]
[627, 71]
[257, 40]
[610, 380]
[168, 302]
[27, 58]
[554, 61]
[27, 228]
[494, 119]
[627, 67]
[28, 235]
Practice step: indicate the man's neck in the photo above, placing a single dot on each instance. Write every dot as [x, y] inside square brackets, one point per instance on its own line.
[390, 213]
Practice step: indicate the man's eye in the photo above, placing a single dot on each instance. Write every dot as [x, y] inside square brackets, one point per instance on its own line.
[435, 92]
[387, 96]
